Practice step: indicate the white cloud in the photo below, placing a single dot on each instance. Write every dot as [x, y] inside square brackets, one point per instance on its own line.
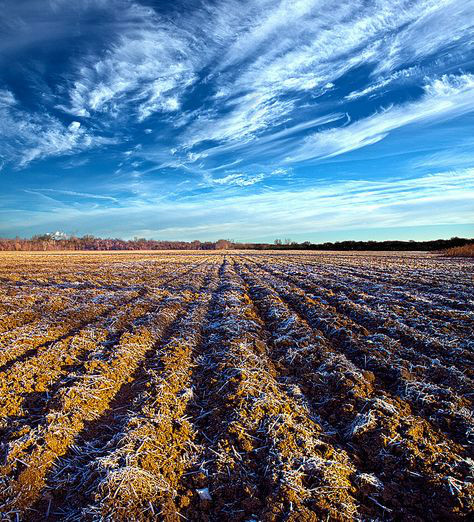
[226, 165]
[288, 46]
[275, 142]
[280, 172]
[144, 70]
[73, 163]
[248, 115]
[259, 58]
[239, 179]
[437, 199]
[77, 194]
[74, 126]
[461, 155]
[440, 27]
[404, 74]
[448, 96]
[7, 98]
[195, 156]
[30, 136]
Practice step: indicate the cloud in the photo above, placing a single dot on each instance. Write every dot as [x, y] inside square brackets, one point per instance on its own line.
[78, 194]
[279, 172]
[240, 179]
[226, 165]
[445, 97]
[460, 155]
[398, 76]
[7, 98]
[75, 162]
[74, 126]
[245, 117]
[321, 41]
[231, 72]
[144, 70]
[30, 136]
[274, 143]
[440, 28]
[287, 51]
[443, 198]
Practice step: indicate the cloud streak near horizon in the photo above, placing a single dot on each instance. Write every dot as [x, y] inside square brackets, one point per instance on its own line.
[297, 115]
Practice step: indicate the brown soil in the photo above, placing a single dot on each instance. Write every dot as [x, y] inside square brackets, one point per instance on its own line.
[236, 386]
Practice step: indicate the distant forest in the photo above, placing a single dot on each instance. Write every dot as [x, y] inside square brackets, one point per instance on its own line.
[51, 242]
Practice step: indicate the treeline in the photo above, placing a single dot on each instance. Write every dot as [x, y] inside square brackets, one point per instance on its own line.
[48, 242]
[393, 245]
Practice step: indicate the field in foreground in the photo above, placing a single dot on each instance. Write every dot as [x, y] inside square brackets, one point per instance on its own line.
[237, 386]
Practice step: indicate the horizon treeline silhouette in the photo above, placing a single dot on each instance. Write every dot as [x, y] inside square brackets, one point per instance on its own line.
[50, 242]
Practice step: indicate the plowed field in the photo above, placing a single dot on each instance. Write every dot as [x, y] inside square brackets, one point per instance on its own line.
[236, 386]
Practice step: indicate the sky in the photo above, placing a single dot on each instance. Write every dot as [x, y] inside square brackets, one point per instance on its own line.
[248, 120]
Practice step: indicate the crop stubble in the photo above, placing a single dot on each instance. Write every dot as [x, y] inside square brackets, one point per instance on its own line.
[235, 386]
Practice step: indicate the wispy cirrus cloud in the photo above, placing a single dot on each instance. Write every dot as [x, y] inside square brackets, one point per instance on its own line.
[30, 136]
[143, 72]
[239, 179]
[181, 101]
[442, 198]
[152, 64]
[285, 55]
[77, 194]
[151, 61]
[403, 75]
[321, 43]
[448, 96]
[247, 115]
[7, 98]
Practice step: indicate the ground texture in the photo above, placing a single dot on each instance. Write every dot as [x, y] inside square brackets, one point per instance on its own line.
[236, 386]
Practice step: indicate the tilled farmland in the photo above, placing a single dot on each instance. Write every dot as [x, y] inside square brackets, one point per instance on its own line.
[236, 386]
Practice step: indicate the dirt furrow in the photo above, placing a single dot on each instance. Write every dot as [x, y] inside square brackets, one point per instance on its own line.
[425, 383]
[246, 386]
[138, 471]
[364, 316]
[262, 453]
[297, 351]
[30, 458]
[392, 429]
[405, 348]
[33, 385]
[394, 301]
[445, 325]
[426, 285]
[100, 434]
[19, 348]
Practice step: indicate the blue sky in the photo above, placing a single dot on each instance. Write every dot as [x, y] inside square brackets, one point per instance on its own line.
[249, 120]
